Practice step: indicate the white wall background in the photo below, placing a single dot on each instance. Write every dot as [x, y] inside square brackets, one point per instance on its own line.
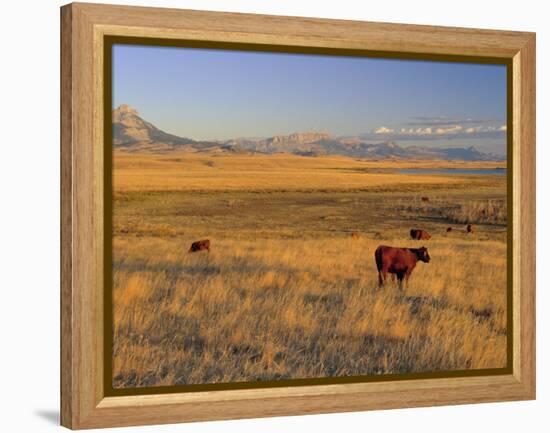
[29, 217]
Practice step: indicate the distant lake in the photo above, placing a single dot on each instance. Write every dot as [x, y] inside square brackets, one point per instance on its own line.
[455, 171]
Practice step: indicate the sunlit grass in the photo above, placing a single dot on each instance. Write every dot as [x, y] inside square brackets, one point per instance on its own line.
[291, 309]
[196, 172]
[286, 291]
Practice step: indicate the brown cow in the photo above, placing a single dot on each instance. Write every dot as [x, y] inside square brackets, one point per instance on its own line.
[470, 228]
[398, 261]
[418, 235]
[200, 246]
[425, 199]
[449, 229]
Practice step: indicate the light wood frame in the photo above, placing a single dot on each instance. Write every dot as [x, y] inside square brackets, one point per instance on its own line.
[83, 401]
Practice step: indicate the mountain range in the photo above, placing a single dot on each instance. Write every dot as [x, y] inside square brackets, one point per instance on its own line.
[135, 134]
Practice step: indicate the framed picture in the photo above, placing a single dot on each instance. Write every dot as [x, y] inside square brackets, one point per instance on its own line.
[269, 216]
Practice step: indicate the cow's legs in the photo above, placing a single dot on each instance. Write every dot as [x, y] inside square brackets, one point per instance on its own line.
[400, 276]
[407, 276]
[382, 277]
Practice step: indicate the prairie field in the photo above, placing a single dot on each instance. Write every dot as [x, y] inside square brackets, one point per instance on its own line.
[286, 291]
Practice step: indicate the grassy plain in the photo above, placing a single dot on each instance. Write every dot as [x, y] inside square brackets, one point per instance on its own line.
[286, 292]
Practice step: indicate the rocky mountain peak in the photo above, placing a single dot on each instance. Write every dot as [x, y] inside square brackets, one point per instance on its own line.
[300, 137]
[123, 111]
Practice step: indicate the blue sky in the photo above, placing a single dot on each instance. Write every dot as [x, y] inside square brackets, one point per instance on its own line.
[217, 94]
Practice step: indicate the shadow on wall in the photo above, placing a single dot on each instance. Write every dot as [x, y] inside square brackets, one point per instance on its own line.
[50, 415]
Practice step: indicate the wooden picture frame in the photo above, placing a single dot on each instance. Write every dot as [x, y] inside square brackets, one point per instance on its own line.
[84, 27]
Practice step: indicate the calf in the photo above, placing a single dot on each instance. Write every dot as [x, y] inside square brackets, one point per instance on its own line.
[398, 261]
[418, 235]
[200, 246]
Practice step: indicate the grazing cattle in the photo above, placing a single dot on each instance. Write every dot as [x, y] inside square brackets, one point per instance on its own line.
[449, 229]
[470, 228]
[418, 235]
[425, 199]
[200, 246]
[355, 235]
[398, 261]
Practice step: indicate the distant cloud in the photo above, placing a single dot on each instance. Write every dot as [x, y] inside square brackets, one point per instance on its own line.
[383, 130]
[443, 121]
[432, 128]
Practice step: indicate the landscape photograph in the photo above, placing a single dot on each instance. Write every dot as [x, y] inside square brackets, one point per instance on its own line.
[283, 216]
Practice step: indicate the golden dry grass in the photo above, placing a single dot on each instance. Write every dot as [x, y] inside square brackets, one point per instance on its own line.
[296, 309]
[194, 172]
[484, 212]
[286, 291]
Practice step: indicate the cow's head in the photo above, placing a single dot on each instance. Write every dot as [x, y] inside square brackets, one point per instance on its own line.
[422, 254]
